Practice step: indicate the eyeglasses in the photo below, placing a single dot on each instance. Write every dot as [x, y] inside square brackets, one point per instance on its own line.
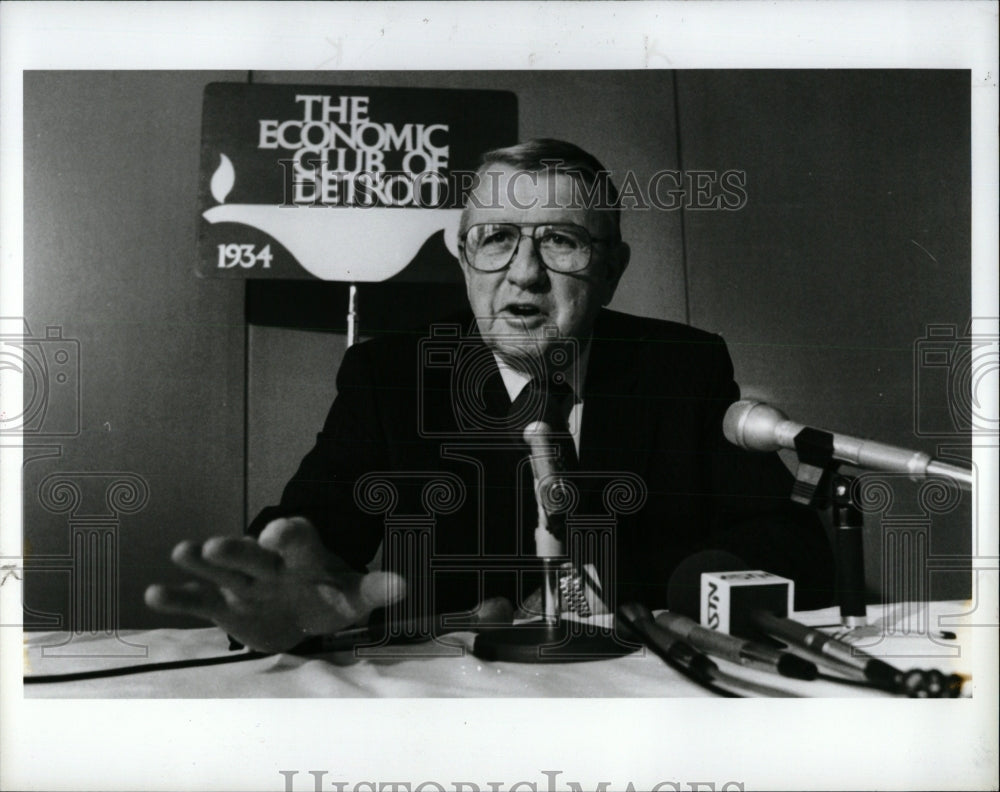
[562, 247]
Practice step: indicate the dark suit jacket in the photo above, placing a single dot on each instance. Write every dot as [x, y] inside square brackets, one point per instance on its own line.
[409, 411]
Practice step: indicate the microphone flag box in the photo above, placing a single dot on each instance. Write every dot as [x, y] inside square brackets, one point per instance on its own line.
[728, 599]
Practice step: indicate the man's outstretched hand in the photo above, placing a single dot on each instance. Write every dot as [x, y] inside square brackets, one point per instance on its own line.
[273, 592]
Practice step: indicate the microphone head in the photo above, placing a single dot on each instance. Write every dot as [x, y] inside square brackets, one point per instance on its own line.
[751, 425]
[684, 586]
[537, 432]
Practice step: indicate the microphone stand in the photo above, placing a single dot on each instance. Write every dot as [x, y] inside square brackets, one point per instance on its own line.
[817, 483]
[756, 426]
[551, 639]
[848, 525]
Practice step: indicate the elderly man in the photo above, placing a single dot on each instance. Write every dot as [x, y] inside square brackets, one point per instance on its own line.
[542, 254]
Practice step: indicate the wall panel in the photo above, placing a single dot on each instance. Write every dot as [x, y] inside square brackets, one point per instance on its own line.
[111, 162]
[854, 238]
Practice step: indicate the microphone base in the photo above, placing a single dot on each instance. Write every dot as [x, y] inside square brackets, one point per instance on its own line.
[564, 642]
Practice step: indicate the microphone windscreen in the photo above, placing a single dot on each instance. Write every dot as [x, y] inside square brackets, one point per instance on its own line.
[684, 587]
[732, 422]
[751, 425]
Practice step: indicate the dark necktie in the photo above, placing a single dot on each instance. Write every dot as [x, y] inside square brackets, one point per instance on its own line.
[550, 402]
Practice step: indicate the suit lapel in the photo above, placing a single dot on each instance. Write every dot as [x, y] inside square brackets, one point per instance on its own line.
[616, 426]
[462, 387]
[615, 430]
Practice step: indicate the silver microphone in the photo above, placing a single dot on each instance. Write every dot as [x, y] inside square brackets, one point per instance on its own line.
[548, 470]
[756, 426]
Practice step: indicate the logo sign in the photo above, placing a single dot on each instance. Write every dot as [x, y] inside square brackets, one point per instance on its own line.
[340, 183]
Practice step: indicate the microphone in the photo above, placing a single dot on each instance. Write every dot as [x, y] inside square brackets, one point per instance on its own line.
[725, 612]
[880, 674]
[687, 659]
[756, 426]
[737, 650]
[550, 493]
[550, 639]
[550, 488]
[741, 605]
[674, 652]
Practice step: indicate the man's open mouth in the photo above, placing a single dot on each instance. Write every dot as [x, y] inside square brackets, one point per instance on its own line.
[522, 309]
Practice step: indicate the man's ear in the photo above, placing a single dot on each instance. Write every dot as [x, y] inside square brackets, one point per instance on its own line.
[617, 262]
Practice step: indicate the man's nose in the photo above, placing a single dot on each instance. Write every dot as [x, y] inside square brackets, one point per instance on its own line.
[526, 268]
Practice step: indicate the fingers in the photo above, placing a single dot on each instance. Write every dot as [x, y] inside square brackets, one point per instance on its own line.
[378, 589]
[236, 562]
[296, 541]
[188, 556]
[351, 597]
[358, 595]
[191, 599]
[344, 595]
[285, 583]
[243, 555]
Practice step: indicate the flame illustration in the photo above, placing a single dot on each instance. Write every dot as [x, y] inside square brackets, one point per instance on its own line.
[223, 179]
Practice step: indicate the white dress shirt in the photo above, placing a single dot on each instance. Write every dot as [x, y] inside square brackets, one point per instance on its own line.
[515, 381]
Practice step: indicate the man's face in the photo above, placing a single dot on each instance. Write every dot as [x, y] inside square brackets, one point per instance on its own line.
[513, 307]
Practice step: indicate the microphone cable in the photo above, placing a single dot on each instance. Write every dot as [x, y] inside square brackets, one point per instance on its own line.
[492, 612]
[76, 676]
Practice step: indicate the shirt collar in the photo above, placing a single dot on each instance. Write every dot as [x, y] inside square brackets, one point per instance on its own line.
[514, 380]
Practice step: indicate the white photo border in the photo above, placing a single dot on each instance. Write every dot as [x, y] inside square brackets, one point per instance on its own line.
[232, 744]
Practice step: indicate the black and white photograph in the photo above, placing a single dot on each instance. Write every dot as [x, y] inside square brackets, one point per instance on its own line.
[448, 405]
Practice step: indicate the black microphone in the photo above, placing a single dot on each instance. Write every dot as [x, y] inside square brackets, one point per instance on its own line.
[826, 647]
[686, 658]
[742, 598]
[751, 654]
[756, 426]
[673, 651]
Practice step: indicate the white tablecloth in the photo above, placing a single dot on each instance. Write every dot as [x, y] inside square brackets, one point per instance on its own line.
[905, 635]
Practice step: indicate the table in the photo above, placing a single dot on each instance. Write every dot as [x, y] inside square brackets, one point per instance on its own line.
[925, 635]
